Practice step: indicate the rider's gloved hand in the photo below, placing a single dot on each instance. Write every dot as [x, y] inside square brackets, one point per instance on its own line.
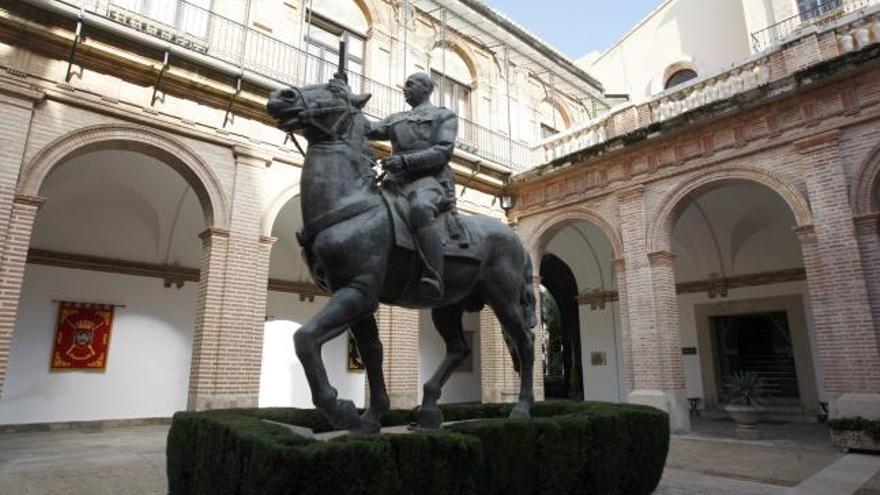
[393, 164]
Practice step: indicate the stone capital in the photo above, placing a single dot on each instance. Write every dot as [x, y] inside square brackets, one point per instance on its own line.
[823, 139]
[212, 232]
[631, 192]
[248, 155]
[804, 231]
[268, 239]
[27, 200]
[661, 258]
[618, 265]
[867, 222]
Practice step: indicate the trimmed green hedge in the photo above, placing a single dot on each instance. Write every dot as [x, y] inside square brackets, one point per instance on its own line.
[869, 426]
[569, 447]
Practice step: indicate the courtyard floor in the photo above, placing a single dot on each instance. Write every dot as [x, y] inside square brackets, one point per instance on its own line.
[790, 459]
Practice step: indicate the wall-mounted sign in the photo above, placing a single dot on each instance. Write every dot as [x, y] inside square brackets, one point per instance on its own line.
[689, 351]
[598, 358]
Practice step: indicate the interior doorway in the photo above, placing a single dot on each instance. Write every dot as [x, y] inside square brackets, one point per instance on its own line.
[759, 343]
[563, 367]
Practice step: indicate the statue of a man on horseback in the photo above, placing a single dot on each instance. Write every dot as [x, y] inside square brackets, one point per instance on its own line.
[422, 141]
[357, 243]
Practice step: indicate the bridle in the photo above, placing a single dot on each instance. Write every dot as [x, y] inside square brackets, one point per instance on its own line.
[309, 116]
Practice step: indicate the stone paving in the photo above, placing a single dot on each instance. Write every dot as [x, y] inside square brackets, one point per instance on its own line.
[131, 460]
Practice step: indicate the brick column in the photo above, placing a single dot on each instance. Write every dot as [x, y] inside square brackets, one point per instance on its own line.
[499, 381]
[538, 381]
[651, 309]
[868, 235]
[844, 326]
[17, 213]
[13, 257]
[619, 266]
[228, 343]
[399, 333]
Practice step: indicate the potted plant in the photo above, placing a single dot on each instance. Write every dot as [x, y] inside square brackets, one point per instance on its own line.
[745, 392]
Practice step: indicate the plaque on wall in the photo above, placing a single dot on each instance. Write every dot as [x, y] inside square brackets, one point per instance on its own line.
[598, 358]
[689, 351]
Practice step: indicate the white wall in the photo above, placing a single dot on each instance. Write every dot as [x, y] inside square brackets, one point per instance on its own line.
[282, 379]
[463, 386]
[148, 364]
[688, 325]
[711, 34]
[599, 334]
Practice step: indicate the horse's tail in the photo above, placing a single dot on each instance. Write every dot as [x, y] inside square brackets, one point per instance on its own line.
[527, 296]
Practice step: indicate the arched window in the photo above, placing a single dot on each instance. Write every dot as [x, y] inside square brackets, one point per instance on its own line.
[452, 77]
[322, 40]
[550, 120]
[679, 77]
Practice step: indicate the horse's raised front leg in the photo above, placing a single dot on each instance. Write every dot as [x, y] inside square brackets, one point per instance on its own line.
[369, 346]
[346, 306]
[448, 323]
[520, 337]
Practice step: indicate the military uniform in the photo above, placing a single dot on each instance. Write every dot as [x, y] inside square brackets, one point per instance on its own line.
[424, 138]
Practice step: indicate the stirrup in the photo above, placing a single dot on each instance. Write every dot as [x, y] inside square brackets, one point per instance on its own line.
[430, 288]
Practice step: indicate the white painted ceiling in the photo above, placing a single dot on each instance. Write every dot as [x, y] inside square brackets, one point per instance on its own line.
[735, 230]
[587, 252]
[122, 205]
[286, 262]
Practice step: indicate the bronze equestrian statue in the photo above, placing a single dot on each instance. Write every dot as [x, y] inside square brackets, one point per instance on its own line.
[358, 244]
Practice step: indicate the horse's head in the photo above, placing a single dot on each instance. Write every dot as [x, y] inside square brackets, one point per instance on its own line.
[321, 111]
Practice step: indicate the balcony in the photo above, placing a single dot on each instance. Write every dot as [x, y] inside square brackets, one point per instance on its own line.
[822, 14]
[855, 28]
[210, 34]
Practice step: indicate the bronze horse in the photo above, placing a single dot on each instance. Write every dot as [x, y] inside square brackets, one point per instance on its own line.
[348, 242]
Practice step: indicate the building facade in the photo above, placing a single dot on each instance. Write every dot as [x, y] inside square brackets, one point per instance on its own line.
[727, 222]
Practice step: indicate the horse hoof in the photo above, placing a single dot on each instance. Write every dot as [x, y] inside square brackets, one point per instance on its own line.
[430, 419]
[521, 411]
[343, 415]
[367, 427]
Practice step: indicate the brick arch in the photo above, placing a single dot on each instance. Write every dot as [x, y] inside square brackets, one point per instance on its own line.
[867, 182]
[132, 138]
[274, 209]
[537, 241]
[660, 228]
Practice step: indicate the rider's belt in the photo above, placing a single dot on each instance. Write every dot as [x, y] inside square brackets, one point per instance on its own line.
[306, 235]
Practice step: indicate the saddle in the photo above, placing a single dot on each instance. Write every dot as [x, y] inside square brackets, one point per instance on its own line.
[457, 238]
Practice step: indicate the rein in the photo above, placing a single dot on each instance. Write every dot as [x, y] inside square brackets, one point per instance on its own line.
[309, 117]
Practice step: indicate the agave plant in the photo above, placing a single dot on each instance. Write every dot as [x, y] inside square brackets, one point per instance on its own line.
[747, 388]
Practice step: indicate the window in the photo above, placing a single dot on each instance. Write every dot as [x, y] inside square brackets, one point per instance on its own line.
[322, 44]
[810, 9]
[547, 131]
[679, 77]
[451, 76]
[189, 16]
[550, 119]
[451, 94]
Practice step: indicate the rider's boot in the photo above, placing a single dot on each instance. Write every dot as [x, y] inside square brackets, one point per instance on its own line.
[431, 244]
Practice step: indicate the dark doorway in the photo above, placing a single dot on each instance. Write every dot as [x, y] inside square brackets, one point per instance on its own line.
[563, 371]
[759, 343]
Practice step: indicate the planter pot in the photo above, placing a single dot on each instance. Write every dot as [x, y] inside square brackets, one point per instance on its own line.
[746, 419]
[743, 415]
[847, 440]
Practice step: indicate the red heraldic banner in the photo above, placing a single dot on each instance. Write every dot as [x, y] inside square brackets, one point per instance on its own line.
[82, 337]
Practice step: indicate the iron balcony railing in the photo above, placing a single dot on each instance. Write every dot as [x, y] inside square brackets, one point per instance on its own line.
[825, 12]
[219, 37]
